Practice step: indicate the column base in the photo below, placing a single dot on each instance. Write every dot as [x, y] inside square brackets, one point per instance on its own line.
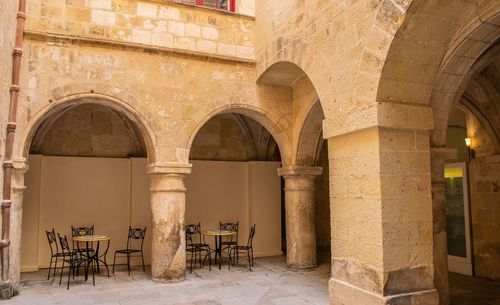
[6, 291]
[168, 280]
[302, 267]
[342, 293]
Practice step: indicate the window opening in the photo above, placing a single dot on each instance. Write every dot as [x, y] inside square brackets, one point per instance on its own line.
[226, 5]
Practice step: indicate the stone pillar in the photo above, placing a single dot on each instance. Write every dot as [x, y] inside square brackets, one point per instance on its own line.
[300, 211]
[381, 217]
[168, 206]
[16, 216]
[440, 247]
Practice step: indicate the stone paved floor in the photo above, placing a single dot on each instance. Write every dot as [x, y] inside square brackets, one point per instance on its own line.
[271, 283]
[467, 290]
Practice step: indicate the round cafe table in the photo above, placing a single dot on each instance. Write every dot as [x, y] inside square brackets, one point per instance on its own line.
[89, 240]
[218, 242]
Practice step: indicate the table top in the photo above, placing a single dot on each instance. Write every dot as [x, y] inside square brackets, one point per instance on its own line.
[219, 233]
[91, 238]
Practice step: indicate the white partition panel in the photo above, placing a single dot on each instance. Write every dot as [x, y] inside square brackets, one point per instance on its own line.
[265, 206]
[113, 193]
[82, 192]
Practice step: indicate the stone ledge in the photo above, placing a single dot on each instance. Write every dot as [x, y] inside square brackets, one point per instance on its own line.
[122, 45]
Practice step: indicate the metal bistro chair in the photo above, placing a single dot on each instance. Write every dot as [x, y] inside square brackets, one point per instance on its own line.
[81, 231]
[231, 240]
[133, 234]
[197, 248]
[248, 248]
[74, 260]
[54, 250]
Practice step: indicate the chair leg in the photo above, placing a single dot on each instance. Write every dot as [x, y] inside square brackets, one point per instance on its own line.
[249, 260]
[62, 271]
[143, 266]
[114, 260]
[128, 263]
[191, 263]
[55, 266]
[209, 260]
[251, 249]
[93, 272]
[69, 274]
[50, 265]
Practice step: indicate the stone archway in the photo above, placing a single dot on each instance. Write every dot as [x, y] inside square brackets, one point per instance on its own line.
[138, 125]
[271, 124]
[460, 33]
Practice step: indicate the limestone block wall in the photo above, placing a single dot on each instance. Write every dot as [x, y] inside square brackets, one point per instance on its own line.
[485, 207]
[245, 7]
[340, 46]
[176, 94]
[88, 131]
[160, 24]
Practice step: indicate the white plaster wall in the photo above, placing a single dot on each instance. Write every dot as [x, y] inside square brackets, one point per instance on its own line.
[248, 192]
[113, 193]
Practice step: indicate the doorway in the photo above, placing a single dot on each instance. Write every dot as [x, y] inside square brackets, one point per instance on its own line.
[458, 218]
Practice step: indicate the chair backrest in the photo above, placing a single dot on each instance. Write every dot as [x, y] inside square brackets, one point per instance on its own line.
[191, 231]
[82, 231]
[250, 236]
[51, 237]
[230, 226]
[135, 234]
[64, 244]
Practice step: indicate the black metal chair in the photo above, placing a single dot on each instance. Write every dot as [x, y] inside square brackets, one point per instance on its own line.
[54, 250]
[228, 242]
[248, 248]
[81, 231]
[133, 234]
[197, 247]
[74, 260]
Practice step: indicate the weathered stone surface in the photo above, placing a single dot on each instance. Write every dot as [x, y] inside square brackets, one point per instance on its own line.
[300, 215]
[168, 207]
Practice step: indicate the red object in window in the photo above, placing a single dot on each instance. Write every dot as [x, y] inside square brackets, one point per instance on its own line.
[232, 5]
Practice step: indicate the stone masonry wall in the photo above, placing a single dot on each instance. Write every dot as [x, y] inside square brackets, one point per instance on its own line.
[485, 207]
[152, 23]
[88, 131]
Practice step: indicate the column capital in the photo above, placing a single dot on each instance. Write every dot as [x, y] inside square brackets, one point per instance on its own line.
[170, 168]
[300, 171]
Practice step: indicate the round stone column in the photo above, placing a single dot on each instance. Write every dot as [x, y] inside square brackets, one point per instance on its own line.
[168, 206]
[300, 215]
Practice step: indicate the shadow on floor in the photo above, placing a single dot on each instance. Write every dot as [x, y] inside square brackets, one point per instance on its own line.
[468, 290]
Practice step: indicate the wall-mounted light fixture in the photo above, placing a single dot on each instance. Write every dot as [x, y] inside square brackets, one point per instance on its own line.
[470, 152]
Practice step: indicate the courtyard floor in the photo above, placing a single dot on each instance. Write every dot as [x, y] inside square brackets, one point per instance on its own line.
[270, 283]
[467, 290]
